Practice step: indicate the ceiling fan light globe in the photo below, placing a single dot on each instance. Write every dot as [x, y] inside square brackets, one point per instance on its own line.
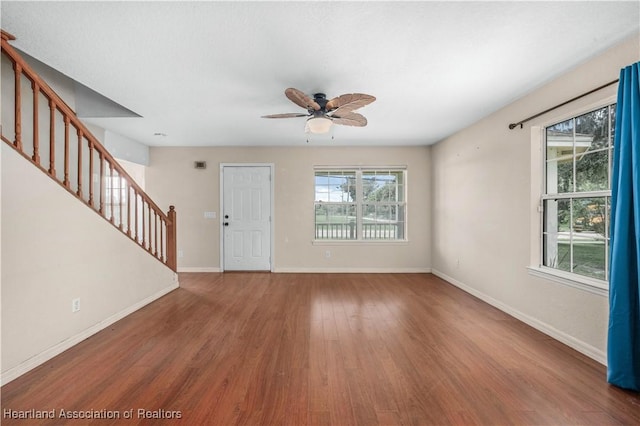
[318, 125]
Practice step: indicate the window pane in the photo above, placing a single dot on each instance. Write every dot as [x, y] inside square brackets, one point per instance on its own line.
[400, 221]
[383, 186]
[368, 184]
[592, 171]
[322, 186]
[556, 228]
[589, 216]
[342, 186]
[371, 184]
[560, 175]
[607, 218]
[335, 186]
[335, 221]
[589, 256]
[556, 251]
[400, 193]
[382, 221]
[557, 216]
[592, 130]
[559, 139]
[398, 187]
[613, 123]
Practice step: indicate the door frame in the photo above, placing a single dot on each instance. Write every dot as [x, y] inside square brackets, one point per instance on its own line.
[271, 207]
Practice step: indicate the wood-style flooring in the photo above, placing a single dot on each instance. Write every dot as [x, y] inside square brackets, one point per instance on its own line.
[320, 349]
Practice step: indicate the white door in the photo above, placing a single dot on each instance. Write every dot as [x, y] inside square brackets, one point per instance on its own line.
[246, 218]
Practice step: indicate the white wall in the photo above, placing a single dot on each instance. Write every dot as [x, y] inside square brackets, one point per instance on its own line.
[124, 148]
[136, 171]
[483, 210]
[55, 249]
[172, 179]
[121, 147]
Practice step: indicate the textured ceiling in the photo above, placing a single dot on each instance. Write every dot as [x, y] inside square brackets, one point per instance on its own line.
[204, 72]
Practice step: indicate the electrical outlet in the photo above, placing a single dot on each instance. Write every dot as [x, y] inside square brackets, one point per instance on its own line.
[327, 254]
[180, 254]
[75, 305]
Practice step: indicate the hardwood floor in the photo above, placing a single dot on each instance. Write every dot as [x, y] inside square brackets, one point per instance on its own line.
[325, 349]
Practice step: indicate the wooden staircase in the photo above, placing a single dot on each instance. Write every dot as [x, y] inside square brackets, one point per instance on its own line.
[47, 132]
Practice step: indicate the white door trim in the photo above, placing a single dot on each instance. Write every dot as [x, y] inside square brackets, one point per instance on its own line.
[272, 222]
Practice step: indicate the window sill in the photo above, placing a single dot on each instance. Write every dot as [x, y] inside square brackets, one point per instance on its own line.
[359, 242]
[591, 285]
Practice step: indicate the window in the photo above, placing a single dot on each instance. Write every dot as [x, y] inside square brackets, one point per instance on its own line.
[360, 204]
[115, 196]
[577, 194]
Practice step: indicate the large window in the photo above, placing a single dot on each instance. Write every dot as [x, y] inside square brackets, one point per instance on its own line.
[577, 194]
[360, 204]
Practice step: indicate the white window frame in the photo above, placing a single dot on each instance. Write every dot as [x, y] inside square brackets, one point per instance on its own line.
[359, 203]
[538, 191]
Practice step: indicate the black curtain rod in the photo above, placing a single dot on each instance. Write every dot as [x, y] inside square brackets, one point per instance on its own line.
[520, 123]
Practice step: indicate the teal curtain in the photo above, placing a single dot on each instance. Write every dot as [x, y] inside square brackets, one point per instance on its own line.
[623, 350]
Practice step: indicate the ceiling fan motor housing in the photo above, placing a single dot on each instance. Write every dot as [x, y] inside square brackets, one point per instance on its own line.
[321, 99]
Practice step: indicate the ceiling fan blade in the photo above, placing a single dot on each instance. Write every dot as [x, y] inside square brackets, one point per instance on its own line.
[285, 115]
[300, 99]
[349, 101]
[350, 119]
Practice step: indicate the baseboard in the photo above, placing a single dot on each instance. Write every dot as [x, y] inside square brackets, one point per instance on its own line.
[580, 346]
[46, 355]
[198, 269]
[354, 270]
[321, 270]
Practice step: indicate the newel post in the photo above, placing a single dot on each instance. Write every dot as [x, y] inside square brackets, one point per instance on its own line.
[172, 251]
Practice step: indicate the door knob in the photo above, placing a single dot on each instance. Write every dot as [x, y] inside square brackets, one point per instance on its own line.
[226, 224]
[226, 216]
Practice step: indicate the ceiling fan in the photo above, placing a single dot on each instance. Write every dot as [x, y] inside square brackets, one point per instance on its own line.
[323, 113]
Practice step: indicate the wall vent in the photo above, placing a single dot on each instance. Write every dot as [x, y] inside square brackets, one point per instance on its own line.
[200, 164]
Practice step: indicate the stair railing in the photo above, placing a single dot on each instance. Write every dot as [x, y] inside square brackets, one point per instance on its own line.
[67, 151]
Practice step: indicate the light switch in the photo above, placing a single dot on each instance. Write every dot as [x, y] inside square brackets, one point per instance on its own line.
[209, 215]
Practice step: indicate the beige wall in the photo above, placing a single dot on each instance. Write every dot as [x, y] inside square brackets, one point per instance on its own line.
[483, 209]
[55, 249]
[172, 179]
